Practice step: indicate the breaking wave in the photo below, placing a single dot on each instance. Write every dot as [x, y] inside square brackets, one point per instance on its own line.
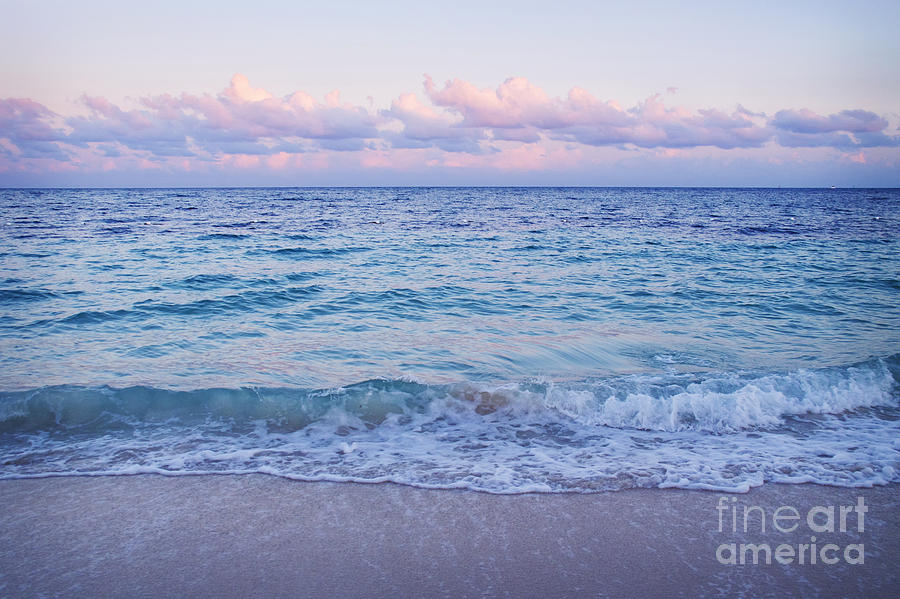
[724, 431]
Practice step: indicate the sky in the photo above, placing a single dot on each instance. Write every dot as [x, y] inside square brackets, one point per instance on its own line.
[190, 93]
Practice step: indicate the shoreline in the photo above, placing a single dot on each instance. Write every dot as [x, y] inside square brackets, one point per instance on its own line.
[258, 535]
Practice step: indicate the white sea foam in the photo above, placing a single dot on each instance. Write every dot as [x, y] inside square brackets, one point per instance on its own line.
[725, 402]
[725, 431]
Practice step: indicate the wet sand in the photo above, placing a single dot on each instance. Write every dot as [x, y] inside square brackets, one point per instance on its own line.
[261, 536]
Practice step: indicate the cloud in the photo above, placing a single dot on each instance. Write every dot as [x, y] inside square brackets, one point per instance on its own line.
[24, 119]
[423, 127]
[517, 109]
[241, 119]
[29, 130]
[807, 121]
[844, 130]
[514, 125]
[518, 106]
[241, 90]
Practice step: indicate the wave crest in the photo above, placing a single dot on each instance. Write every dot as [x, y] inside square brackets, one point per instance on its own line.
[714, 402]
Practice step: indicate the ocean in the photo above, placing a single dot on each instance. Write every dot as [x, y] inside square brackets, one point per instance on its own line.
[504, 340]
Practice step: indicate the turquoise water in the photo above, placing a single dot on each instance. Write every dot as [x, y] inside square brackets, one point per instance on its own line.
[499, 339]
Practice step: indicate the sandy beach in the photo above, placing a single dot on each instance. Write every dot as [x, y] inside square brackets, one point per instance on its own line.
[262, 536]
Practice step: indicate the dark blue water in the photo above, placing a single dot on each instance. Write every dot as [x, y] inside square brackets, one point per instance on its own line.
[502, 339]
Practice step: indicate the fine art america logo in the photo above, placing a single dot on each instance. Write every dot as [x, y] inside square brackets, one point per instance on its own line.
[737, 519]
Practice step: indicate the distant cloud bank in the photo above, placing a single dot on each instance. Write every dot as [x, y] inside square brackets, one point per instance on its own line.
[455, 125]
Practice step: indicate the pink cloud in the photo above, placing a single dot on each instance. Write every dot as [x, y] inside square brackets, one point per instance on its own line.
[845, 129]
[424, 126]
[240, 120]
[240, 90]
[807, 121]
[279, 160]
[520, 106]
[513, 126]
[514, 101]
[29, 131]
